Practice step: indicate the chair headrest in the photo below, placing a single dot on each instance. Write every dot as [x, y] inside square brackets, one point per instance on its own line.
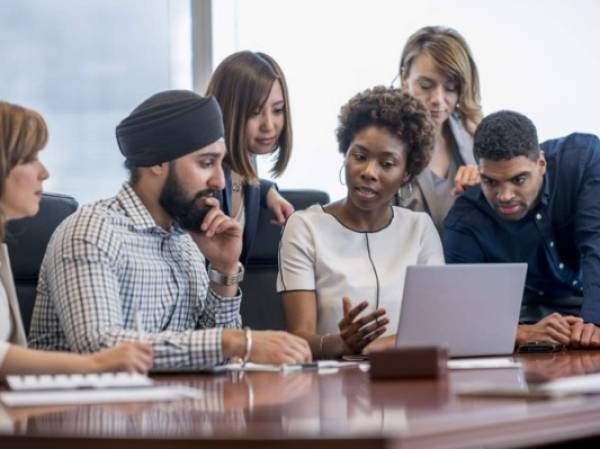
[28, 238]
[266, 242]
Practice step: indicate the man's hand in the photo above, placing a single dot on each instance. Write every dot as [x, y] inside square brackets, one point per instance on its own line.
[279, 347]
[267, 346]
[554, 328]
[466, 176]
[219, 239]
[584, 335]
[358, 333]
[280, 207]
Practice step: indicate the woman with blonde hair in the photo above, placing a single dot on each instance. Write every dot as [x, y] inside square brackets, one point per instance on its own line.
[253, 96]
[437, 67]
[23, 133]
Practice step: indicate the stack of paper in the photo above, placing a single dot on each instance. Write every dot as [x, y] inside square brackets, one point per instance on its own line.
[90, 388]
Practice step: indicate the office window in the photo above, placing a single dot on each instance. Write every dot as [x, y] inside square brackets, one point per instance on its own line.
[85, 65]
[536, 57]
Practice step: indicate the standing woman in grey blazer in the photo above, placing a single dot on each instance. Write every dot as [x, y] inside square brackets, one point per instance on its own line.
[437, 67]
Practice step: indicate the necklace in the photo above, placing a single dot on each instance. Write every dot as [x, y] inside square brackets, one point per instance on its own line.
[236, 182]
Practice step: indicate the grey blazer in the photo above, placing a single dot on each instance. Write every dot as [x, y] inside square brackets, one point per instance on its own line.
[421, 195]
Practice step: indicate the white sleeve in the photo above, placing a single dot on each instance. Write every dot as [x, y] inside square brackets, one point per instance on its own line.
[296, 256]
[430, 251]
[3, 350]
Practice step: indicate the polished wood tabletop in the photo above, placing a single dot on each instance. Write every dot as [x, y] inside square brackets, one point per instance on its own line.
[343, 408]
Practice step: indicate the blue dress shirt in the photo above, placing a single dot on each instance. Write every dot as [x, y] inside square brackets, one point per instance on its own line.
[559, 238]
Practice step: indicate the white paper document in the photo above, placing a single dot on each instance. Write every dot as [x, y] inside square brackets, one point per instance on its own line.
[292, 367]
[75, 381]
[588, 384]
[98, 396]
[483, 363]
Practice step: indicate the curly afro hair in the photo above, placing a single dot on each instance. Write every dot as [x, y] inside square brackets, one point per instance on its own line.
[402, 115]
[504, 135]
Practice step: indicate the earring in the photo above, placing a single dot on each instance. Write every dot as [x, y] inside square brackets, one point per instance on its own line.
[340, 175]
[403, 188]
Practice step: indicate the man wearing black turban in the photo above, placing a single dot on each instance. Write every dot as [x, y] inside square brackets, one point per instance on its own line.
[133, 266]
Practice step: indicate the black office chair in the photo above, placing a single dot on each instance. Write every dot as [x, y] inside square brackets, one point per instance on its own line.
[261, 306]
[27, 240]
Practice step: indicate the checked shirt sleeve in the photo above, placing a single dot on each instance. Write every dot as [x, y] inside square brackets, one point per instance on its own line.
[85, 288]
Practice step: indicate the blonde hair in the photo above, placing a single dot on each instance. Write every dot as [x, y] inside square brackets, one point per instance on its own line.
[241, 84]
[453, 57]
[23, 132]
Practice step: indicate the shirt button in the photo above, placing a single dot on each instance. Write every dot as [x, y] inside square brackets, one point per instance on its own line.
[538, 216]
[541, 293]
[561, 266]
[551, 244]
[574, 282]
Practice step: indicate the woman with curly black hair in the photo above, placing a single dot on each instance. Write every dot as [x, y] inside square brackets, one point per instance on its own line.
[358, 248]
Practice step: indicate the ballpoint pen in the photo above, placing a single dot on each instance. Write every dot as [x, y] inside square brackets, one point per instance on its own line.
[138, 324]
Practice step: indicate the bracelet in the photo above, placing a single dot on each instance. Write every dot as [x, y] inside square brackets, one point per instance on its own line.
[225, 279]
[321, 343]
[248, 347]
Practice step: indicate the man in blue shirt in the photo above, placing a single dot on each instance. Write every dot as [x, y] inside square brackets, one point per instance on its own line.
[540, 205]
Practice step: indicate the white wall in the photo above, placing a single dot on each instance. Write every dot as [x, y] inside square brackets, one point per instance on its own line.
[538, 57]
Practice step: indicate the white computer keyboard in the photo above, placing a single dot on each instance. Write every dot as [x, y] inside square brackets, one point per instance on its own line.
[76, 381]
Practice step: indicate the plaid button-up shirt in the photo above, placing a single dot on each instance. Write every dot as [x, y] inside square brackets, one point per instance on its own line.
[108, 260]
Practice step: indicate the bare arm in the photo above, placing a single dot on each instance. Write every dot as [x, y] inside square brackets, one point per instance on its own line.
[355, 333]
[133, 357]
[301, 319]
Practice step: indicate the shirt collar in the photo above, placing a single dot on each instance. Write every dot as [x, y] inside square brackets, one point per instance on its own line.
[138, 213]
[545, 190]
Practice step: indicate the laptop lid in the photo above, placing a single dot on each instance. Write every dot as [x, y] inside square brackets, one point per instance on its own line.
[472, 309]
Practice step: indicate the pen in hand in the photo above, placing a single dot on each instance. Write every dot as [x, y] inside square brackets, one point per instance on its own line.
[138, 325]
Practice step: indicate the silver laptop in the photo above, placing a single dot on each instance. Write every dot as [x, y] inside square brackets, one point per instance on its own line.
[472, 309]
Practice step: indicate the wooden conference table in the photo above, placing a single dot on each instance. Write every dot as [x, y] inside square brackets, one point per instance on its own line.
[343, 409]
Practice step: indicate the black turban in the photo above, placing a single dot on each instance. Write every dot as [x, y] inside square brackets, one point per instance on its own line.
[169, 125]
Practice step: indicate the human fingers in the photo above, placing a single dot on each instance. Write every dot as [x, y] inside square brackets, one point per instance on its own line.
[373, 336]
[471, 175]
[346, 305]
[570, 319]
[586, 335]
[230, 226]
[301, 348]
[143, 347]
[596, 337]
[462, 175]
[459, 181]
[361, 337]
[352, 314]
[576, 334]
[288, 209]
[140, 365]
[279, 217]
[559, 323]
[553, 336]
[351, 332]
[373, 316]
[213, 212]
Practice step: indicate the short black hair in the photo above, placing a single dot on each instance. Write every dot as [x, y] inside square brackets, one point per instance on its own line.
[134, 172]
[401, 115]
[505, 135]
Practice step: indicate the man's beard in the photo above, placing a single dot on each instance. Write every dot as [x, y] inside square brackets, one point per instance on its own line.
[186, 212]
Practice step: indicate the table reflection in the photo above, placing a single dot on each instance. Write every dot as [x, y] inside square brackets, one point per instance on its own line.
[544, 367]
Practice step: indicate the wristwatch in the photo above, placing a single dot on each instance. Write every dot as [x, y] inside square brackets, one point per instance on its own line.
[223, 279]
